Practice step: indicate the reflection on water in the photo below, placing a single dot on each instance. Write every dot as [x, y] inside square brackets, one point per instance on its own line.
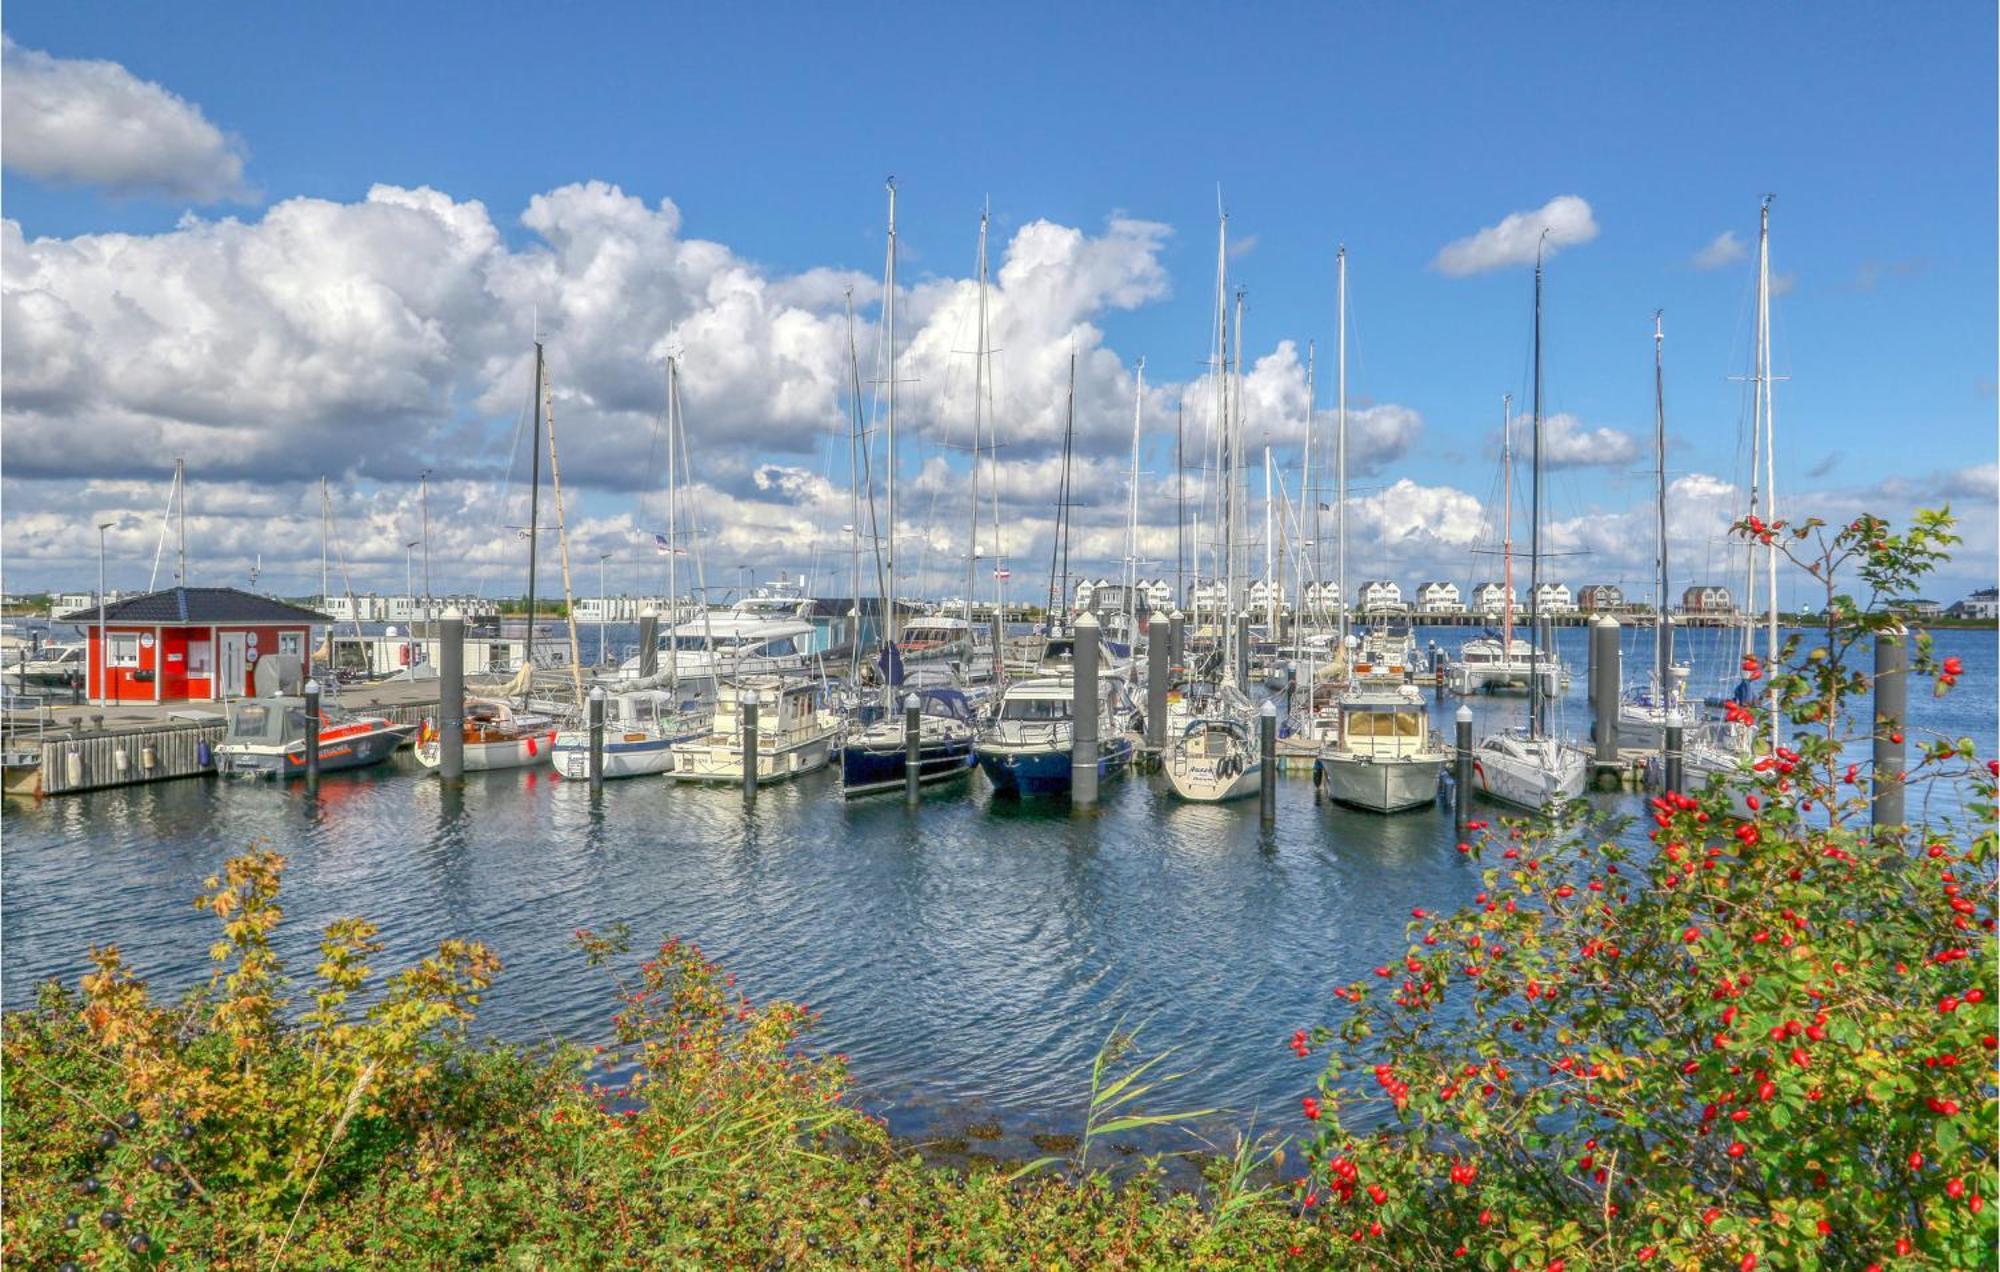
[969, 955]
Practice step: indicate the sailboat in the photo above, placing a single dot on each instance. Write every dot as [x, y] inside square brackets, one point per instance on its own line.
[1527, 767]
[1643, 712]
[1724, 748]
[873, 758]
[646, 717]
[497, 734]
[1382, 755]
[1492, 663]
[1216, 756]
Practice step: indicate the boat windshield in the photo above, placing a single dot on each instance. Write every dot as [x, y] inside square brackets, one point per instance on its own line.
[1035, 709]
[1385, 724]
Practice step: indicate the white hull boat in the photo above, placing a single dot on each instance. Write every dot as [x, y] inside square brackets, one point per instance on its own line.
[793, 736]
[1531, 773]
[1214, 760]
[1385, 758]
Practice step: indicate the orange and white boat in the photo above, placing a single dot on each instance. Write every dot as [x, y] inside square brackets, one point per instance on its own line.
[496, 737]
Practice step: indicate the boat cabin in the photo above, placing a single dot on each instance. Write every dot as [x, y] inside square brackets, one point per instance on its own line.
[188, 644]
[784, 706]
[1383, 725]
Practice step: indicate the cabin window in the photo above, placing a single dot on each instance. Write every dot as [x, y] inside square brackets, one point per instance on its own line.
[780, 648]
[1035, 709]
[124, 649]
[199, 658]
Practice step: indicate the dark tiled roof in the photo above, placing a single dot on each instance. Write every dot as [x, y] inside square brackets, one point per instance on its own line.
[197, 605]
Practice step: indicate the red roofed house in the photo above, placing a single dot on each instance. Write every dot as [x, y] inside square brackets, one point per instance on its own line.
[189, 644]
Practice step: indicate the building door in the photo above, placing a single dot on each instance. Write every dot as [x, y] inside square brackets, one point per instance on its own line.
[230, 666]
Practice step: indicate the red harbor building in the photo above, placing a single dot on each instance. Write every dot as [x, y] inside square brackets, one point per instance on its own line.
[189, 644]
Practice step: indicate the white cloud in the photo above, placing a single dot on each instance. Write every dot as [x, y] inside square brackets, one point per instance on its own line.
[1568, 443]
[1567, 218]
[1724, 249]
[86, 122]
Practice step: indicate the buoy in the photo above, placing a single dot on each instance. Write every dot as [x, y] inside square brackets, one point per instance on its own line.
[73, 767]
[204, 755]
[119, 760]
[149, 756]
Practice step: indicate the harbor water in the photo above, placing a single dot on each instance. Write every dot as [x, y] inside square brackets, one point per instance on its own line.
[968, 955]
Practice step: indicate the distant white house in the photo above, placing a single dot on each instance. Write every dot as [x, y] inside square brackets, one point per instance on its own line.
[1159, 594]
[1490, 599]
[1921, 607]
[1210, 597]
[367, 607]
[1380, 596]
[1263, 594]
[1983, 604]
[618, 609]
[1439, 597]
[83, 600]
[1321, 597]
[1554, 598]
[1708, 599]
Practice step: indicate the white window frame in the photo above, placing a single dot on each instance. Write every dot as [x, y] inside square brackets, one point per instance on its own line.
[121, 649]
[201, 658]
[293, 643]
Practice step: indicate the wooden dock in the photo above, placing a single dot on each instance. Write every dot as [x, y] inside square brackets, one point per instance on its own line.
[54, 748]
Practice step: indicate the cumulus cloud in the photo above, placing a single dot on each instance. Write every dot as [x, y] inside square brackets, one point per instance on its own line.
[1724, 249]
[88, 122]
[1567, 218]
[1568, 443]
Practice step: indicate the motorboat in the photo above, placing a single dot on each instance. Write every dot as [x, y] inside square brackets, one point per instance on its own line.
[266, 737]
[876, 758]
[641, 728]
[759, 635]
[496, 734]
[63, 664]
[1027, 750]
[794, 735]
[1384, 756]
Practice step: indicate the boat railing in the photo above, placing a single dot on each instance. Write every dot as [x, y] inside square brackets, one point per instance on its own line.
[1051, 733]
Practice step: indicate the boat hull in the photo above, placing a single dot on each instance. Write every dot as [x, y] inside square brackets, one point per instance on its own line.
[1200, 782]
[715, 760]
[342, 751]
[1030, 773]
[1381, 786]
[526, 751]
[1527, 785]
[625, 755]
[866, 770]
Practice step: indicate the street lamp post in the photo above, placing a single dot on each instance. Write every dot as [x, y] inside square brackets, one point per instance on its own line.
[103, 643]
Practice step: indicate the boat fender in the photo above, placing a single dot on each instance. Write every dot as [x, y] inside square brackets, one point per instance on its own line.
[204, 754]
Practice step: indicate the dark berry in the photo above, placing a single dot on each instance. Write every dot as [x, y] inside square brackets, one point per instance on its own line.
[130, 1121]
[111, 1218]
[139, 1243]
[161, 1162]
[107, 1138]
[71, 1219]
[90, 1186]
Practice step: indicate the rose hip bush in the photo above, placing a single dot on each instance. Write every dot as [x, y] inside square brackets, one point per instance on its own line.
[1763, 1042]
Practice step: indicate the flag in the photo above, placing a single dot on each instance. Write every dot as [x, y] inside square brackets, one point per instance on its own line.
[1002, 573]
[661, 546]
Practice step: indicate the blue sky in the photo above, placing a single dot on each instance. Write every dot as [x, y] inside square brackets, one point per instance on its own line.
[1393, 129]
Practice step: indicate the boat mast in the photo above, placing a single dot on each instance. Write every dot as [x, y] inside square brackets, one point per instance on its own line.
[1239, 478]
[1180, 503]
[1535, 525]
[1507, 528]
[889, 323]
[1226, 490]
[325, 535]
[562, 544]
[854, 491]
[534, 499]
[1132, 512]
[1340, 439]
[1270, 564]
[1770, 456]
[978, 413]
[1309, 566]
[1663, 634]
[673, 522]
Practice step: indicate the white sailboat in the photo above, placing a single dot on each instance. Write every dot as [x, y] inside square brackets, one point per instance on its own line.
[1491, 664]
[1721, 748]
[1214, 755]
[1527, 767]
[1643, 712]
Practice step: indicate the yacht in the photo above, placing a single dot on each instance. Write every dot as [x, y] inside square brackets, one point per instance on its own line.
[759, 635]
[875, 758]
[57, 665]
[794, 736]
[641, 728]
[1527, 770]
[1027, 748]
[1492, 664]
[1384, 757]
